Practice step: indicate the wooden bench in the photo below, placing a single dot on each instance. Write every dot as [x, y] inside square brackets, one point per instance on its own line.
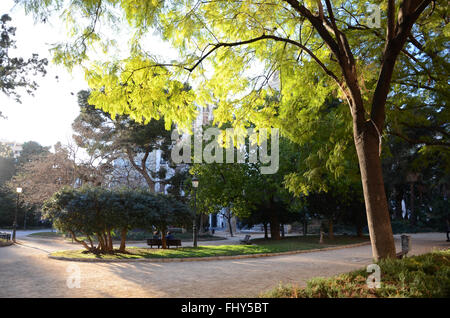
[169, 243]
[246, 240]
[5, 236]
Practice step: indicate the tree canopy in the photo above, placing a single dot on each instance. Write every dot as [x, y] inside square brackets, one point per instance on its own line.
[98, 212]
[232, 49]
[130, 145]
[15, 71]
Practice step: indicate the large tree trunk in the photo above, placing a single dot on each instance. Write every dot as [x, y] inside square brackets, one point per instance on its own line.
[101, 242]
[142, 169]
[266, 234]
[378, 219]
[123, 239]
[110, 242]
[330, 229]
[163, 239]
[274, 227]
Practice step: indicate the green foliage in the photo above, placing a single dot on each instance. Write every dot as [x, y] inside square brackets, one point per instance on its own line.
[251, 195]
[7, 206]
[122, 138]
[94, 211]
[7, 169]
[14, 71]
[31, 149]
[324, 56]
[260, 41]
[326, 151]
[426, 276]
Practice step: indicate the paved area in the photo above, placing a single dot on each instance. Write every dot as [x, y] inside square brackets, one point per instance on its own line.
[25, 271]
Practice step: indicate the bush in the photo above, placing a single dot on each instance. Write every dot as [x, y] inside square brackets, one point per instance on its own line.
[106, 213]
[426, 275]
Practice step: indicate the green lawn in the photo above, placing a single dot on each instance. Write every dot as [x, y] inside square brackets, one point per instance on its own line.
[260, 246]
[46, 234]
[134, 236]
[426, 275]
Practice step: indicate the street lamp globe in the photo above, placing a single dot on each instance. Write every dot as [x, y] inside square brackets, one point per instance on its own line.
[195, 182]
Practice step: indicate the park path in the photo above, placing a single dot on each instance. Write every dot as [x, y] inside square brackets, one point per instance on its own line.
[25, 271]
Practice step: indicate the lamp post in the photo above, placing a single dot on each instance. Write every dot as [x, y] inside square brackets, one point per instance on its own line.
[194, 227]
[18, 190]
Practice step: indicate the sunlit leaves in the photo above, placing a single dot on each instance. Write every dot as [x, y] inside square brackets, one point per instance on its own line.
[137, 88]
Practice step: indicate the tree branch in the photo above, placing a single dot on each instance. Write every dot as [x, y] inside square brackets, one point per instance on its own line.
[407, 16]
[391, 20]
[418, 141]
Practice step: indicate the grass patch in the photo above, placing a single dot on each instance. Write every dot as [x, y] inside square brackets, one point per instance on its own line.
[260, 246]
[188, 237]
[46, 235]
[427, 275]
[292, 243]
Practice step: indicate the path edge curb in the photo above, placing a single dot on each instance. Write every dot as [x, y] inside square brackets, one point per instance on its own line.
[209, 258]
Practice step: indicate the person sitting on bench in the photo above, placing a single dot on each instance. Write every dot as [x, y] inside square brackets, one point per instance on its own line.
[170, 236]
[156, 235]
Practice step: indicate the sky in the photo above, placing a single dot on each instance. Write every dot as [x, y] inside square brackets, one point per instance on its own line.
[47, 116]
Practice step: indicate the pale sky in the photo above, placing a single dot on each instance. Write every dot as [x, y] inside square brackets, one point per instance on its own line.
[46, 118]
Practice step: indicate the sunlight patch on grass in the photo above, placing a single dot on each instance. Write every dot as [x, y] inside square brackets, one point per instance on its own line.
[259, 246]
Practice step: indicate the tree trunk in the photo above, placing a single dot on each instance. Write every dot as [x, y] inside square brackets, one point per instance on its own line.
[201, 229]
[359, 230]
[378, 219]
[228, 216]
[142, 169]
[266, 234]
[79, 241]
[123, 238]
[282, 230]
[90, 241]
[274, 227]
[163, 239]
[110, 242]
[229, 225]
[330, 229]
[101, 241]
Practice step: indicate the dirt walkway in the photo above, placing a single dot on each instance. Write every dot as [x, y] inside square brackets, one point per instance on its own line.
[25, 271]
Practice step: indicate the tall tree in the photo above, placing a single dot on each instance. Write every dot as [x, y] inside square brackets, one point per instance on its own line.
[14, 71]
[7, 164]
[318, 47]
[245, 191]
[130, 144]
[48, 172]
[31, 149]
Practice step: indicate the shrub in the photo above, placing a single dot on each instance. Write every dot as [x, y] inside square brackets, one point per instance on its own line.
[97, 212]
[426, 275]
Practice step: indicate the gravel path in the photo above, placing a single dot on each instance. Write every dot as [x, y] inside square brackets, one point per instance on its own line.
[25, 271]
